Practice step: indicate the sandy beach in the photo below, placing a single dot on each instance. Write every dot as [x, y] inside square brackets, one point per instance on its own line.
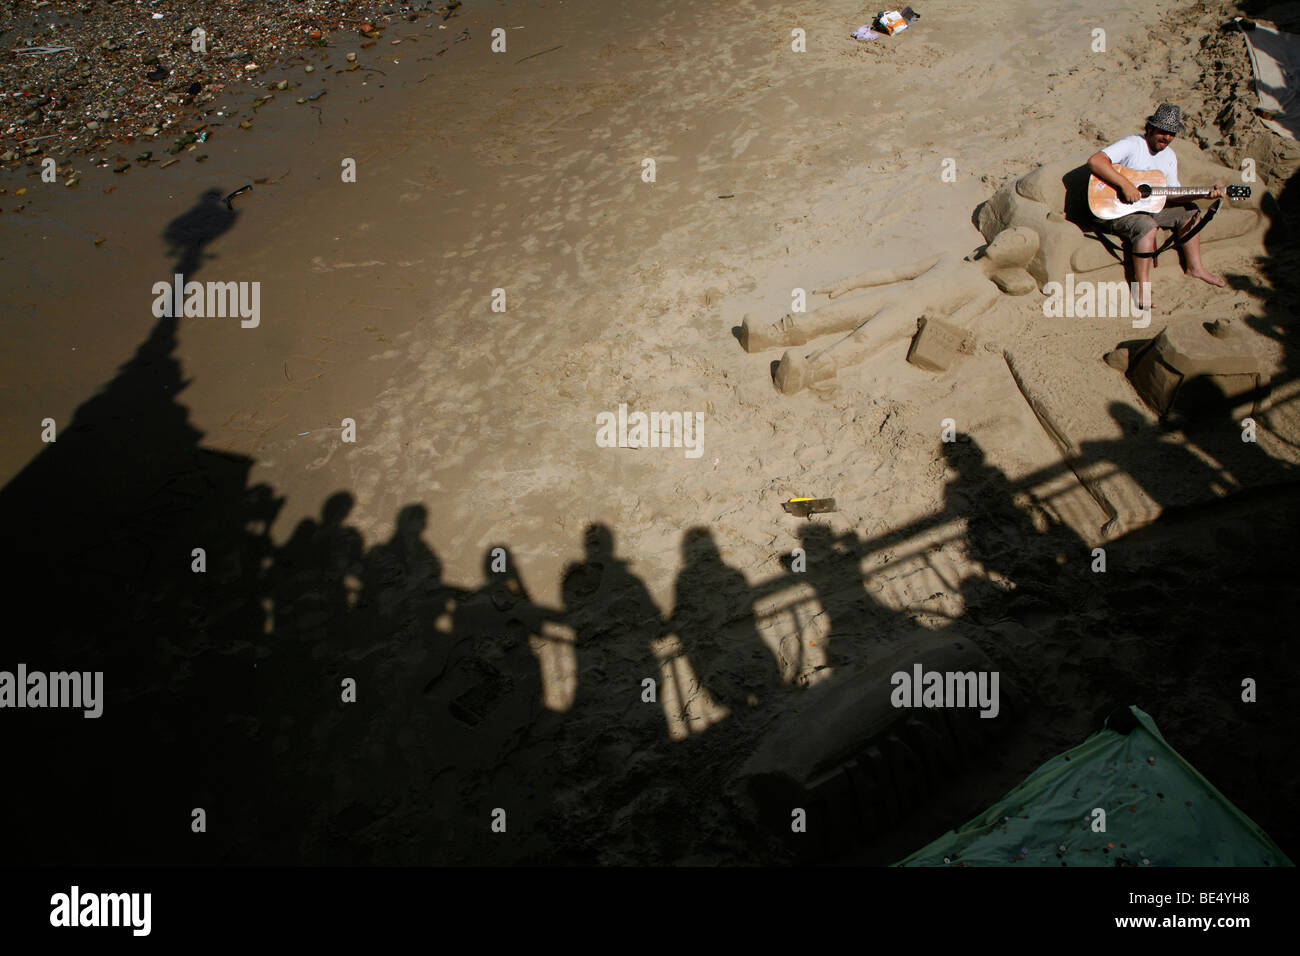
[498, 275]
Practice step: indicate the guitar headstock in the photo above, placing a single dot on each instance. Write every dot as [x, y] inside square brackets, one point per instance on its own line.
[1238, 192]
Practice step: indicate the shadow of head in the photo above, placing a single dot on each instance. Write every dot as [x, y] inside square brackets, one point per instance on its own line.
[965, 456]
[698, 547]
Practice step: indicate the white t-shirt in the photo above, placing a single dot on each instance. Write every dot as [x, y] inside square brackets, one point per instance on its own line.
[1132, 151]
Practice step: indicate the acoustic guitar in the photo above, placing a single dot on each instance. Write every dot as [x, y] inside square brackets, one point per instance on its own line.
[1106, 203]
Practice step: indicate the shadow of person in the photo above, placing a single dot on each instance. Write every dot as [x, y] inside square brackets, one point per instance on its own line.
[713, 617]
[834, 570]
[191, 231]
[1000, 535]
[363, 733]
[403, 597]
[311, 614]
[310, 590]
[475, 722]
[492, 681]
[615, 623]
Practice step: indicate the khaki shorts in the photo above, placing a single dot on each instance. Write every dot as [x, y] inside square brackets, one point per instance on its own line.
[1136, 225]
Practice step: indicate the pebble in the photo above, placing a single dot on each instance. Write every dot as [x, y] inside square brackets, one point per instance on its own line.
[309, 68]
[352, 58]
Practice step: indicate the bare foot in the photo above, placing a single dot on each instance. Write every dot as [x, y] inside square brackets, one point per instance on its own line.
[755, 337]
[791, 373]
[1207, 277]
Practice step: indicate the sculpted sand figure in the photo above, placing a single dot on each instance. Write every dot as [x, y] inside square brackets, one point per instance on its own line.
[954, 289]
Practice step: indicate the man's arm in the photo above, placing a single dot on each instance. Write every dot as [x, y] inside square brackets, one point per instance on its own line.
[1099, 165]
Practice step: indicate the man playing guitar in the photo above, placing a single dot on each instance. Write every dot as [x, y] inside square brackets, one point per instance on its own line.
[1151, 152]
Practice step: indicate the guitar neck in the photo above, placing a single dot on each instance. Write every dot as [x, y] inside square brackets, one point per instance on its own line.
[1180, 192]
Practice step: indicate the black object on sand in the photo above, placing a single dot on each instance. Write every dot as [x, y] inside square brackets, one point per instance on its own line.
[240, 190]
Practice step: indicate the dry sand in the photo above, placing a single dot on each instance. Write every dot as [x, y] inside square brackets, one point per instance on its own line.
[496, 171]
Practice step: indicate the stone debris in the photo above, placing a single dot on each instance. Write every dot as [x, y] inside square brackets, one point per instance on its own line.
[107, 81]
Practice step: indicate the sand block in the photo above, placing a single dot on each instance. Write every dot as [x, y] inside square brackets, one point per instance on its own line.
[857, 763]
[937, 344]
[1181, 353]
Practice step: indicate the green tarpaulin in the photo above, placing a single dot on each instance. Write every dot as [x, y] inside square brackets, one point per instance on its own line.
[1158, 812]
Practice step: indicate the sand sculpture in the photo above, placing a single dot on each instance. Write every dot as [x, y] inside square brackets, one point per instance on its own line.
[1196, 363]
[951, 289]
[1035, 230]
[1052, 202]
